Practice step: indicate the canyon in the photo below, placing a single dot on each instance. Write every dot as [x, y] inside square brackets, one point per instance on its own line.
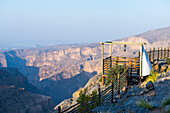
[18, 95]
[59, 71]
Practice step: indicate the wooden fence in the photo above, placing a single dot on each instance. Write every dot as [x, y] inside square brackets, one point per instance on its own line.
[105, 96]
[109, 62]
[160, 53]
[134, 62]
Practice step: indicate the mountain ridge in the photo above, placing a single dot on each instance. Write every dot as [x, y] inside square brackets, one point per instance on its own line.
[57, 63]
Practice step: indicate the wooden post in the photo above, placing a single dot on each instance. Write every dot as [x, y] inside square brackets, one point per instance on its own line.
[102, 80]
[102, 58]
[141, 50]
[59, 109]
[153, 53]
[99, 95]
[161, 52]
[110, 62]
[164, 52]
[112, 92]
[168, 53]
[106, 66]
[110, 56]
[127, 78]
[117, 60]
[150, 54]
[111, 50]
[118, 83]
[104, 77]
[158, 54]
[135, 64]
[130, 69]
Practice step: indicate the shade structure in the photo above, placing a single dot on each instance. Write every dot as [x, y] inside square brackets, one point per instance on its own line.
[146, 64]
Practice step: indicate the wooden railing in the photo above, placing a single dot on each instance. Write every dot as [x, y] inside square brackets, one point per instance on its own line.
[134, 62]
[160, 53]
[105, 96]
[115, 88]
[128, 61]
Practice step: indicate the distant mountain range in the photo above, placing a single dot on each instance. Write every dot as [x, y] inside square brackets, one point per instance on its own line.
[60, 70]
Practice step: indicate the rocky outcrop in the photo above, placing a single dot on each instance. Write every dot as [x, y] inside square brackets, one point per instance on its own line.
[19, 100]
[153, 95]
[17, 94]
[12, 77]
[2, 60]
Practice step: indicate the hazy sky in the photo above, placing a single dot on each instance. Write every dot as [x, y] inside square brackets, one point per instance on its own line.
[78, 21]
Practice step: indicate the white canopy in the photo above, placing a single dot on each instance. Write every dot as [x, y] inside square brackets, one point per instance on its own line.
[146, 64]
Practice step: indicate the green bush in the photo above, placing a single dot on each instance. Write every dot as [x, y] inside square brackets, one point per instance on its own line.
[145, 104]
[87, 102]
[168, 61]
[113, 72]
[83, 101]
[166, 102]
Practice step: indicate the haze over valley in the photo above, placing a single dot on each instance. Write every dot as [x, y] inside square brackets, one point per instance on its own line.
[49, 50]
[58, 71]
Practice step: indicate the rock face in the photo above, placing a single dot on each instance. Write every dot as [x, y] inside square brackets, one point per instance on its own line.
[17, 94]
[150, 85]
[19, 100]
[52, 67]
[12, 77]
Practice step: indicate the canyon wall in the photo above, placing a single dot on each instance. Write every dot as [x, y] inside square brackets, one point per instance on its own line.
[67, 67]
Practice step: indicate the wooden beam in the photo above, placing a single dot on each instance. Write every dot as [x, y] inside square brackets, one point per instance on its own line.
[122, 43]
[141, 60]
[111, 50]
[102, 57]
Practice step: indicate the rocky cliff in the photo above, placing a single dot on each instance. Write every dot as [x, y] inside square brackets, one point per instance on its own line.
[12, 77]
[52, 68]
[19, 100]
[19, 96]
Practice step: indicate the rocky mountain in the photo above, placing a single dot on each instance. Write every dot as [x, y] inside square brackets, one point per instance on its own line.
[58, 71]
[19, 96]
[12, 77]
[155, 36]
[19, 100]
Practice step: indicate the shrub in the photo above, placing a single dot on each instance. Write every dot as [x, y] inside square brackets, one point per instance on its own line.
[152, 77]
[83, 101]
[166, 102]
[145, 104]
[168, 61]
[94, 100]
[113, 72]
[87, 102]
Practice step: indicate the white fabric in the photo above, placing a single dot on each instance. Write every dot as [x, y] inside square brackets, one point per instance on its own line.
[146, 64]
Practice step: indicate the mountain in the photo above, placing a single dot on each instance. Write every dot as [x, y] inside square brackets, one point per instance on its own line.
[158, 35]
[19, 96]
[12, 77]
[60, 70]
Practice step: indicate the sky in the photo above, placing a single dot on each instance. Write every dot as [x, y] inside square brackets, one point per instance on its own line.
[28, 22]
